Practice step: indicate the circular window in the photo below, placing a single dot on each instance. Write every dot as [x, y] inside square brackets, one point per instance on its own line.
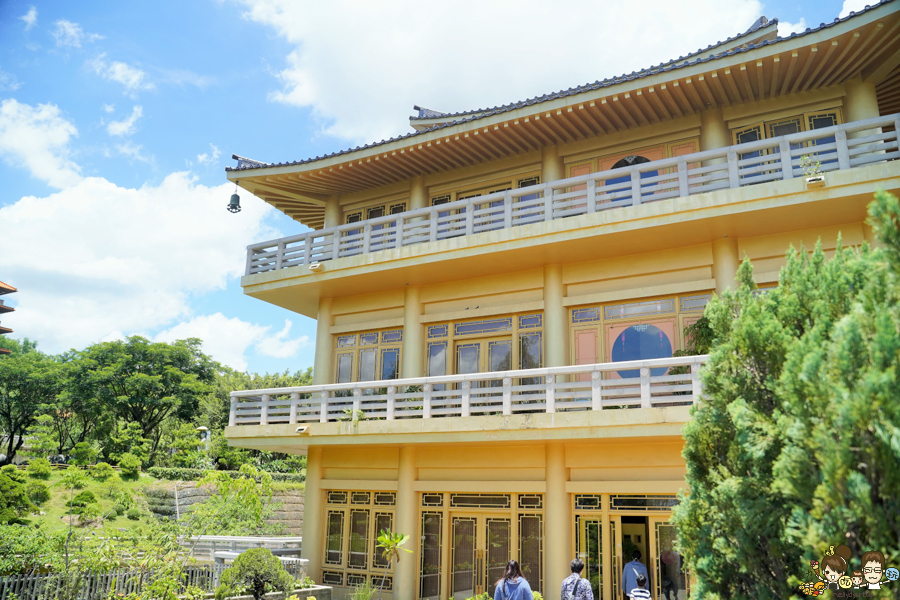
[630, 161]
[641, 342]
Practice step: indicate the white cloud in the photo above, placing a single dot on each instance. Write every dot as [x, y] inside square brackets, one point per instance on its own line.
[228, 340]
[109, 108]
[8, 82]
[361, 76]
[126, 126]
[133, 151]
[97, 260]
[133, 78]
[855, 6]
[30, 18]
[207, 158]
[37, 138]
[785, 28]
[184, 76]
[69, 34]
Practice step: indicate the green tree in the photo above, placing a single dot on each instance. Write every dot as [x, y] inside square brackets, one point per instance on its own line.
[143, 382]
[28, 383]
[240, 505]
[255, 571]
[83, 454]
[14, 502]
[130, 465]
[795, 445]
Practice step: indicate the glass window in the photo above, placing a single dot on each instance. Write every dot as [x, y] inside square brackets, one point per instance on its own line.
[530, 321]
[486, 326]
[367, 339]
[346, 341]
[585, 315]
[531, 350]
[392, 337]
[367, 359]
[531, 549]
[437, 359]
[438, 331]
[643, 341]
[430, 562]
[334, 544]
[636, 309]
[390, 363]
[383, 522]
[344, 368]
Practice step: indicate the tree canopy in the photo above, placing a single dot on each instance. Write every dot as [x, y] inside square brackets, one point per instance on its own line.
[29, 383]
[796, 445]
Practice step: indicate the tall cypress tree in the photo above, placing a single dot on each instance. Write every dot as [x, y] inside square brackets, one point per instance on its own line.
[796, 445]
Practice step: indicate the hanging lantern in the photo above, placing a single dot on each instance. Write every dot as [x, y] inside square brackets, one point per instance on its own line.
[234, 206]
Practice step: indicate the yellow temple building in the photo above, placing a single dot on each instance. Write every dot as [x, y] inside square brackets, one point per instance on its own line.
[499, 295]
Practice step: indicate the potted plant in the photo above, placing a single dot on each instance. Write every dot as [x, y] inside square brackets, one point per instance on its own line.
[815, 178]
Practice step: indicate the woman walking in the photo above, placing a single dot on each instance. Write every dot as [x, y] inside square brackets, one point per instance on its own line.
[512, 586]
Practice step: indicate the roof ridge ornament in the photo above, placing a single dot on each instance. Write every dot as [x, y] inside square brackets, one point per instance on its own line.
[248, 162]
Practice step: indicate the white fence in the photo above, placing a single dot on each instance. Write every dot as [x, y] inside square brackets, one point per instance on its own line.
[640, 383]
[736, 166]
[100, 586]
[205, 546]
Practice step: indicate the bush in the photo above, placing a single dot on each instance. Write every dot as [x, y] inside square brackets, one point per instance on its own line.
[14, 502]
[37, 492]
[39, 468]
[82, 499]
[102, 471]
[74, 479]
[83, 454]
[13, 472]
[185, 474]
[89, 513]
[133, 514]
[120, 510]
[256, 572]
[130, 465]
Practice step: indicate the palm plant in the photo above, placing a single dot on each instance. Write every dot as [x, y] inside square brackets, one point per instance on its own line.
[390, 544]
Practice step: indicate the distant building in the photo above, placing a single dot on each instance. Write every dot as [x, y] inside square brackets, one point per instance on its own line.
[499, 294]
[4, 308]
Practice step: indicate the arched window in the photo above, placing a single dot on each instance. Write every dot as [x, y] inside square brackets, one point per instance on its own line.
[630, 161]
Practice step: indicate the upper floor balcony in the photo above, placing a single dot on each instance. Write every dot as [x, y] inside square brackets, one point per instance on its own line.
[577, 397]
[712, 178]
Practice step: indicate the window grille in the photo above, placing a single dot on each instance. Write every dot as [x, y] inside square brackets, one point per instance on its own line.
[530, 321]
[527, 182]
[383, 522]
[346, 341]
[332, 578]
[479, 501]
[392, 337]
[337, 497]
[355, 579]
[359, 539]
[642, 502]
[588, 502]
[695, 302]
[432, 499]
[486, 326]
[385, 498]
[354, 217]
[368, 339]
[531, 501]
[388, 582]
[360, 498]
[531, 549]
[585, 315]
[430, 557]
[334, 544]
[638, 309]
[396, 209]
[438, 331]
[440, 200]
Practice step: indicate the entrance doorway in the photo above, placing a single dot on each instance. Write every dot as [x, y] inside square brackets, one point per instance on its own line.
[481, 547]
[635, 533]
[589, 544]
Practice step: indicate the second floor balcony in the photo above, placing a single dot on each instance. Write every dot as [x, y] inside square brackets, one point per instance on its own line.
[766, 163]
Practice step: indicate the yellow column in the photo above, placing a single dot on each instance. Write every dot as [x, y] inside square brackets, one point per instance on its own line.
[413, 350]
[323, 369]
[418, 193]
[557, 529]
[333, 215]
[860, 103]
[725, 263]
[713, 133]
[313, 515]
[556, 326]
[407, 511]
[552, 166]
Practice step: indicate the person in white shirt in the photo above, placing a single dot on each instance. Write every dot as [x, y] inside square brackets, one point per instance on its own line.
[631, 572]
[640, 592]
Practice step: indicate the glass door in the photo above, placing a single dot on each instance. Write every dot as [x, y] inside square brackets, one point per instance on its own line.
[484, 356]
[589, 541]
[481, 546]
[672, 581]
[615, 535]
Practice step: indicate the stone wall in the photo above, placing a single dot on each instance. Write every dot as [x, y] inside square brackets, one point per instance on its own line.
[161, 502]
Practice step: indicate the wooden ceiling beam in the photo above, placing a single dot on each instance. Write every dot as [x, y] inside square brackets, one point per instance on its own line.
[665, 96]
[660, 105]
[576, 114]
[641, 99]
[679, 95]
[540, 125]
[545, 140]
[864, 51]
[790, 71]
[810, 60]
[550, 120]
[480, 140]
[562, 121]
[616, 105]
[497, 137]
[512, 132]
[761, 79]
[745, 80]
[838, 61]
[720, 89]
[630, 105]
[597, 111]
[692, 93]
[588, 117]
[432, 155]
[732, 87]
[826, 60]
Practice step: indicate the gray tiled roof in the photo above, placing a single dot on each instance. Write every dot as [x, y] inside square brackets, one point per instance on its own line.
[673, 65]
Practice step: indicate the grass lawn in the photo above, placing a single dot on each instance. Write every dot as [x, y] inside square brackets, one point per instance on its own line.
[55, 508]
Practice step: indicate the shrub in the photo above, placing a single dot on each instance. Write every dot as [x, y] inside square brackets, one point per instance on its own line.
[185, 474]
[13, 472]
[74, 479]
[102, 471]
[133, 514]
[14, 502]
[83, 454]
[130, 465]
[39, 468]
[37, 492]
[89, 513]
[82, 499]
[120, 510]
[256, 572]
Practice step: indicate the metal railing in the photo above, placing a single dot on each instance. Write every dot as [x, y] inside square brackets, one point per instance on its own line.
[630, 384]
[736, 166]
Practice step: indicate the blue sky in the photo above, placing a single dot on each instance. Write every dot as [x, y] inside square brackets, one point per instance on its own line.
[117, 120]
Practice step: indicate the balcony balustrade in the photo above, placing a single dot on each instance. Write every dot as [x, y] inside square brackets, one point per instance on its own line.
[606, 386]
[834, 148]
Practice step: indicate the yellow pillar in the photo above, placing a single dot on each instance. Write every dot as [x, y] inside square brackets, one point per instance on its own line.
[323, 368]
[418, 193]
[860, 103]
[313, 516]
[725, 263]
[557, 529]
[556, 326]
[407, 511]
[333, 215]
[552, 166]
[413, 350]
[714, 133]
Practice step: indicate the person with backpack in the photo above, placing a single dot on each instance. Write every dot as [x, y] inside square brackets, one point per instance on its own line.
[631, 572]
[573, 586]
[512, 586]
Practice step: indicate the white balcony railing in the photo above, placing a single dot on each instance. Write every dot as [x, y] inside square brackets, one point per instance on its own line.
[741, 165]
[632, 384]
